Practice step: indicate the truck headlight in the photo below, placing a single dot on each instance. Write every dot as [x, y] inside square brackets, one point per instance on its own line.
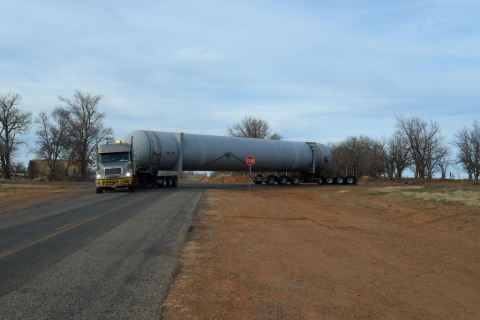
[98, 176]
[128, 174]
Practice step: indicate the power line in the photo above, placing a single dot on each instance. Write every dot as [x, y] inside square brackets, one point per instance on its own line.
[243, 81]
[274, 96]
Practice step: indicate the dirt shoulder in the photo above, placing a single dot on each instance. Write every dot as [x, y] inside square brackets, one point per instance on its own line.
[19, 196]
[332, 253]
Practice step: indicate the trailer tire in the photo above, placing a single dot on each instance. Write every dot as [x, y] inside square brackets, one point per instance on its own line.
[283, 180]
[175, 181]
[98, 190]
[162, 183]
[350, 180]
[271, 180]
[329, 180]
[295, 180]
[339, 180]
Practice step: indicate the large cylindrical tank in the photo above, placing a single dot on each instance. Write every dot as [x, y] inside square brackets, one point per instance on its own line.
[195, 152]
[154, 150]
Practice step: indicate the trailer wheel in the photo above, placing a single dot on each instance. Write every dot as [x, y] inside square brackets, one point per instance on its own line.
[283, 180]
[175, 181]
[339, 180]
[321, 181]
[98, 190]
[295, 180]
[162, 183]
[271, 180]
[329, 180]
[350, 180]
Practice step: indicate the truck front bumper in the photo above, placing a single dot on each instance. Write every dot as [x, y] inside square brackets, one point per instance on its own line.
[114, 183]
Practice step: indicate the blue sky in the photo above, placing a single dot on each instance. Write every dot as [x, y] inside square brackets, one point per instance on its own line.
[315, 70]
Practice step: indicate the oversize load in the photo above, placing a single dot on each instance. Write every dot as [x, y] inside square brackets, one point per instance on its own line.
[112, 182]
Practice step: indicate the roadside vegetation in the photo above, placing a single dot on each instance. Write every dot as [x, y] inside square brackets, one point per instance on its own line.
[453, 195]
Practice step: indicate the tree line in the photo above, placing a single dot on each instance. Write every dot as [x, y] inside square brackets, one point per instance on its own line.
[416, 144]
[72, 130]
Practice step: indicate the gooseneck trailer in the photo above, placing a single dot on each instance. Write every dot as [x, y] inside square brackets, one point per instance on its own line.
[153, 158]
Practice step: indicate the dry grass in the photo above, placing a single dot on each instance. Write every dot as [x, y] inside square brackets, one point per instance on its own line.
[457, 195]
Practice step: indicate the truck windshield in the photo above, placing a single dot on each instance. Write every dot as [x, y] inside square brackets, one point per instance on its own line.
[114, 157]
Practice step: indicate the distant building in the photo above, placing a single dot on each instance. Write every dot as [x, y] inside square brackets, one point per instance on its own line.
[39, 169]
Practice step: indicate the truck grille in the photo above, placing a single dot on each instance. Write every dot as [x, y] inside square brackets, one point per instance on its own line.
[113, 171]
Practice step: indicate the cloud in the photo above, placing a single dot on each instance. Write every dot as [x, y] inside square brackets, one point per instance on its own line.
[315, 70]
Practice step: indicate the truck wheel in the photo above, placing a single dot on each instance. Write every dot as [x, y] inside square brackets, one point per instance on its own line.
[131, 189]
[321, 180]
[329, 180]
[283, 180]
[339, 180]
[258, 182]
[271, 180]
[169, 182]
[99, 190]
[175, 182]
[161, 183]
[295, 180]
[350, 180]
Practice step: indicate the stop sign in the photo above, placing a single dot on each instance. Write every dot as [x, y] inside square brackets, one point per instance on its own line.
[250, 161]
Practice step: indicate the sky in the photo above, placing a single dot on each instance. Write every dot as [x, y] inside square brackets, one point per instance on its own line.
[314, 70]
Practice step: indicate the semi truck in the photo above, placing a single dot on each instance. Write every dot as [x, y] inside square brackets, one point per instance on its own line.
[154, 158]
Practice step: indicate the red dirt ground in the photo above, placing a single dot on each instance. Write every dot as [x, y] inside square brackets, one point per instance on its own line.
[330, 253]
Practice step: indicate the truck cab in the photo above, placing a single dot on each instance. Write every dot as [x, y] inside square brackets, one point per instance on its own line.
[115, 166]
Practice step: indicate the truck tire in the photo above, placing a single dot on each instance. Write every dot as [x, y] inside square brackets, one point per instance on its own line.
[131, 189]
[283, 180]
[350, 180]
[161, 183]
[174, 181]
[329, 180]
[295, 180]
[321, 181]
[271, 180]
[339, 180]
[169, 182]
[99, 190]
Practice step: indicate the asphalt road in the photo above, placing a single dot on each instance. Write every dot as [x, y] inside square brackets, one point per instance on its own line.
[107, 256]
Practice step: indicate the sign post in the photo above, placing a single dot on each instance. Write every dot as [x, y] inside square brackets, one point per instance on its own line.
[250, 163]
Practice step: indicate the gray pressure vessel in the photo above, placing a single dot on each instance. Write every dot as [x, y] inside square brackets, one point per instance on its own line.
[195, 152]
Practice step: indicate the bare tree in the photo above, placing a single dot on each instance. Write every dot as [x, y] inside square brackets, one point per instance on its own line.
[443, 165]
[468, 144]
[86, 126]
[397, 155]
[13, 122]
[436, 158]
[425, 142]
[251, 127]
[367, 153]
[52, 138]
